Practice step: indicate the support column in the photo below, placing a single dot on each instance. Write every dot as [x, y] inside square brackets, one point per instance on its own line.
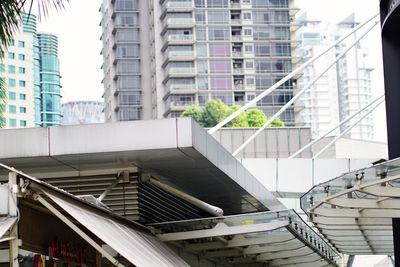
[13, 211]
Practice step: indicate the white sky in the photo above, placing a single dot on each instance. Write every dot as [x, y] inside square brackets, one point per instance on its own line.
[78, 30]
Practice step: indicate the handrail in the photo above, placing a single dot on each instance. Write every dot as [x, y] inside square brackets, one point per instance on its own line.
[290, 102]
[286, 78]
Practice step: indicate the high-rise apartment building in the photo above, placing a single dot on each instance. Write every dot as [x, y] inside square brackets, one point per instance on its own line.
[30, 69]
[342, 90]
[160, 57]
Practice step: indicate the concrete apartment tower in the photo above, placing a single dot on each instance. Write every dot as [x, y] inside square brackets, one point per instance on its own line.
[342, 90]
[161, 57]
[30, 69]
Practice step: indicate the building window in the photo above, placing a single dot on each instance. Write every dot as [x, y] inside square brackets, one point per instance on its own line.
[22, 83]
[21, 70]
[12, 109]
[22, 96]
[248, 32]
[2, 68]
[246, 15]
[21, 56]
[249, 64]
[248, 48]
[250, 81]
[21, 43]
[22, 110]
[11, 82]
[11, 42]
[12, 122]
[11, 55]
[11, 69]
[11, 95]
[22, 123]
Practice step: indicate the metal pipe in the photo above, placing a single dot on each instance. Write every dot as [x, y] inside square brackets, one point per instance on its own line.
[294, 98]
[334, 128]
[347, 129]
[216, 211]
[78, 231]
[285, 79]
[109, 188]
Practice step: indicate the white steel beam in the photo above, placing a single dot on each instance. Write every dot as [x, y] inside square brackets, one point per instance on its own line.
[240, 241]
[273, 248]
[286, 78]
[360, 213]
[305, 251]
[366, 203]
[302, 91]
[222, 229]
[322, 221]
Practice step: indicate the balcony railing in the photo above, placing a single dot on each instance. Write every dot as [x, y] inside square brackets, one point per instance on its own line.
[179, 37]
[181, 103]
[177, 87]
[181, 70]
[236, 21]
[180, 53]
[237, 38]
[180, 4]
[178, 22]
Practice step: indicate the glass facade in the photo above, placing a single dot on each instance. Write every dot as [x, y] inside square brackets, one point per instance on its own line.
[31, 70]
[50, 96]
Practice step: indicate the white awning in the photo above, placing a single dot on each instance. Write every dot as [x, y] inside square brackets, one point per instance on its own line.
[140, 249]
[5, 225]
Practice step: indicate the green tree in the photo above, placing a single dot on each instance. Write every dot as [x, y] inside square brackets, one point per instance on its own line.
[255, 117]
[215, 111]
[10, 16]
[194, 112]
[241, 121]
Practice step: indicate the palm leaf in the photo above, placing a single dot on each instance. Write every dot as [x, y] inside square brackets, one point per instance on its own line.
[10, 16]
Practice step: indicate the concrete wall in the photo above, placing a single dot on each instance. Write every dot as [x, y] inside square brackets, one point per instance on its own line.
[352, 148]
[272, 143]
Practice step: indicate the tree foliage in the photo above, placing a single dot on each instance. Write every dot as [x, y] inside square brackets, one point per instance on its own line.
[215, 111]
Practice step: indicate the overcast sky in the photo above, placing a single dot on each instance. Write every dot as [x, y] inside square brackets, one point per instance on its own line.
[78, 30]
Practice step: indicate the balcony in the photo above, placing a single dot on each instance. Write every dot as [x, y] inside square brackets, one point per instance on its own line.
[174, 89]
[172, 6]
[177, 39]
[238, 70]
[236, 21]
[178, 56]
[179, 105]
[180, 23]
[237, 37]
[236, 5]
[179, 72]
[237, 54]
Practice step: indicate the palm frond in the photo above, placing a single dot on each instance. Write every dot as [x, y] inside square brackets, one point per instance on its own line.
[10, 13]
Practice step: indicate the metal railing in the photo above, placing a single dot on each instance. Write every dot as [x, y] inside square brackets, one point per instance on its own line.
[291, 75]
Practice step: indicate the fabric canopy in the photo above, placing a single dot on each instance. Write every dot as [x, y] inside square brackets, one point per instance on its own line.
[142, 250]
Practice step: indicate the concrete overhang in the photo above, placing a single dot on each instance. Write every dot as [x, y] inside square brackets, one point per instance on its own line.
[177, 151]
